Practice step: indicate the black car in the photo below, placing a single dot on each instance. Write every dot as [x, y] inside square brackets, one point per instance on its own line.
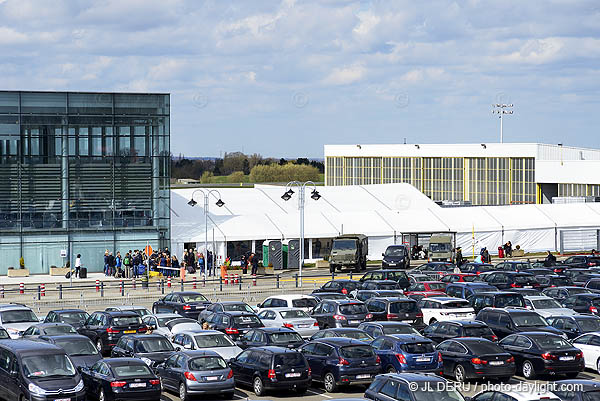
[380, 285]
[48, 329]
[497, 299]
[476, 268]
[340, 314]
[150, 348]
[543, 353]
[121, 379]
[573, 272]
[229, 306]
[322, 296]
[343, 332]
[577, 390]
[533, 292]
[593, 285]
[341, 361]
[582, 261]
[105, 328]
[435, 268]
[583, 303]
[398, 276]
[471, 358]
[364, 295]
[467, 290]
[74, 317]
[402, 309]
[271, 368]
[236, 324]
[376, 329]
[508, 280]
[35, 370]
[513, 266]
[582, 279]
[562, 293]
[187, 304]
[411, 387]
[507, 321]
[574, 326]
[396, 256]
[265, 336]
[341, 286]
[80, 349]
[442, 331]
[554, 280]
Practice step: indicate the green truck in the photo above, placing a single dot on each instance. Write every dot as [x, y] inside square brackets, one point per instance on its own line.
[349, 251]
[440, 248]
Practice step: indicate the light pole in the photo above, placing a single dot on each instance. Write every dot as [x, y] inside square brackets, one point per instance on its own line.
[219, 203]
[501, 109]
[301, 196]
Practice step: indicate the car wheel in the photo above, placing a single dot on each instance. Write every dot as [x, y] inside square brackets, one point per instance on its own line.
[459, 373]
[329, 383]
[391, 369]
[99, 345]
[259, 389]
[528, 371]
[183, 396]
[101, 396]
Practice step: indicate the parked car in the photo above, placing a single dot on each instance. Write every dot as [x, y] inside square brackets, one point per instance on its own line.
[467, 290]
[497, 299]
[459, 278]
[48, 329]
[445, 308]
[304, 302]
[527, 291]
[74, 317]
[291, 318]
[442, 331]
[508, 280]
[582, 279]
[229, 306]
[179, 325]
[593, 285]
[343, 332]
[411, 387]
[379, 285]
[518, 392]
[589, 344]
[266, 336]
[562, 293]
[157, 323]
[150, 348]
[473, 358]
[340, 314]
[396, 256]
[398, 276]
[80, 349]
[543, 353]
[434, 269]
[577, 390]
[341, 361]
[407, 353]
[140, 310]
[236, 324]
[322, 296]
[121, 379]
[207, 340]
[197, 373]
[553, 280]
[364, 295]
[343, 286]
[106, 328]
[417, 278]
[187, 304]
[376, 329]
[583, 303]
[271, 368]
[476, 268]
[16, 318]
[513, 266]
[36, 370]
[575, 325]
[396, 309]
[508, 321]
[582, 261]
[418, 296]
[547, 306]
[426, 286]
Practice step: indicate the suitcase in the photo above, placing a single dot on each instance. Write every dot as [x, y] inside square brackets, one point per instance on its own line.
[68, 275]
[83, 272]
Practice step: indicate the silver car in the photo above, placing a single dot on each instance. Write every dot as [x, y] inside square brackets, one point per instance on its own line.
[292, 318]
[207, 340]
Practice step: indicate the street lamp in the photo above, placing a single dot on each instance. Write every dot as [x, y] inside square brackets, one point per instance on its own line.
[501, 109]
[219, 203]
[287, 195]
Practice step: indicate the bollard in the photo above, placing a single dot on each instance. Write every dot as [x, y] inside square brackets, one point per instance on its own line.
[39, 292]
[169, 281]
[278, 281]
[60, 291]
[237, 278]
[204, 280]
[162, 286]
[43, 290]
[122, 288]
[158, 284]
[97, 285]
[296, 277]
[182, 283]
[350, 274]
[226, 280]
[332, 275]
[194, 284]
[221, 283]
[2, 292]
[254, 280]
[21, 288]
[102, 289]
[240, 283]
[133, 283]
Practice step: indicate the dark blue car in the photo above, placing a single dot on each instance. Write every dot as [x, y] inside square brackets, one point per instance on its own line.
[407, 353]
[341, 361]
[467, 290]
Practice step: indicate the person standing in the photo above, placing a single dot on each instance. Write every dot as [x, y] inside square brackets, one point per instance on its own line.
[111, 264]
[106, 263]
[77, 264]
[118, 265]
[254, 261]
[459, 257]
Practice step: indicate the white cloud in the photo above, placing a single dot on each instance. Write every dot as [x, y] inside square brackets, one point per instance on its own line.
[345, 75]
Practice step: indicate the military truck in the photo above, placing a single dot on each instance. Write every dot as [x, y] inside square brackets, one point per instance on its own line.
[440, 248]
[349, 251]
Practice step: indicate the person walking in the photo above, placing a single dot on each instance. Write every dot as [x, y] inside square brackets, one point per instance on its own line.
[127, 265]
[106, 263]
[201, 263]
[459, 257]
[77, 264]
[254, 261]
[118, 265]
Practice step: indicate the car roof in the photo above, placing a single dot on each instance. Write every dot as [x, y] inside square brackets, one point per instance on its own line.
[23, 347]
[174, 315]
[342, 329]
[200, 333]
[187, 293]
[344, 301]
[287, 308]
[140, 337]
[471, 284]
[384, 324]
[290, 297]
[274, 329]
[238, 313]
[15, 306]
[198, 353]
[414, 377]
[57, 324]
[65, 337]
[66, 310]
[536, 297]
[471, 340]
[408, 338]
[231, 303]
[392, 299]
[123, 361]
[127, 307]
[340, 341]
[274, 349]
[121, 313]
[582, 316]
[444, 300]
[466, 323]
[539, 334]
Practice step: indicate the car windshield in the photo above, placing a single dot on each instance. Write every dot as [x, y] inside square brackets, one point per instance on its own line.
[455, 305]
[343, 245]
[399, 330]
[207, 363]
[406, 307]
[353, 309]
[73, 317]
[395, 251]
[77, 347]
[502, 301]
[153, 345]
[193, 298]
[249, 319]
[436, 247]
[589, 325]
[484, 348]
[551, 343]
[140, 311]
[354, 334]
[48, 365]
[545, 303]
[54, 330]
[237, 308]
[162, 321]
[293, 359]
[293, 314]
[469, 279]
[591, 395]
[19, 316]
[285, 338]
[357, 351]
[437, 286]
[522, 279]
[131, 371]
[126, 320]
[483, 288]
[417, 348]
[424, 393]
[332, 296]
[174, 322]
[304, 303]
[477, 331]
[560, 281]
[213, 340]
[528, 319]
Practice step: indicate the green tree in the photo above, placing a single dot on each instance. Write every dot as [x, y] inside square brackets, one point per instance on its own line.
[236, 176]
[283, 173]
[207, 177]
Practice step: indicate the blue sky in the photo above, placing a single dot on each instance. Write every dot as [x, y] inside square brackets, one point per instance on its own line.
[285, 77]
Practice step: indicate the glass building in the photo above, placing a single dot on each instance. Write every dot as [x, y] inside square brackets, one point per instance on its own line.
[82, 173]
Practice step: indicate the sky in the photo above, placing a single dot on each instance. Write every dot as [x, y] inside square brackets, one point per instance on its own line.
[284, 77]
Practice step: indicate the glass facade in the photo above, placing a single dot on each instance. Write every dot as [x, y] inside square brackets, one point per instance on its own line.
[483, 181]
[578, 189]
[82, 172]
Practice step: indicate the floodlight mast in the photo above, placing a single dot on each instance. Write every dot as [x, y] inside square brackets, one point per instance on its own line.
[501, 109]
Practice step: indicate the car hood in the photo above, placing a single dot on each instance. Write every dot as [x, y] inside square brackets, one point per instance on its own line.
[81, 361]
[227, 353]
[21, 327]
[54, 384]
[393, 258]
[548, 329]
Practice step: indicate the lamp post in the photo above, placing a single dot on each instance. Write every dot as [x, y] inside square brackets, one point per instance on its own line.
[301, 186]
[501, 109]
[219, 203]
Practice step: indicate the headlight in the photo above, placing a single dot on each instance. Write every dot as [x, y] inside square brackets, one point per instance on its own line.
[147, 361]
[35, 389]
[79, 386]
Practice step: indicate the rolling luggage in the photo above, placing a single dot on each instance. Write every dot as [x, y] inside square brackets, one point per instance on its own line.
[83, 272]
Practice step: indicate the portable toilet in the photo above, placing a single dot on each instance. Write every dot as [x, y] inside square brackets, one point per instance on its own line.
[275, 254]
[293, 254]
[265, 252]
[284, 251]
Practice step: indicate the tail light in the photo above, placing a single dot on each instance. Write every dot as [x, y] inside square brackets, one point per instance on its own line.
[392, 316]
[515, 285]
[271, 374]
[401, 358]
[344, 291]
[110, 330]
[494, 338]
[369, 316]
[118, 384]
[579, 355]
[420, 315]
[342, 361]
[339, 317]
[593, 309]
[288, 325]
[143, 329]
[309, 371]
[549, 357]
[231, 330]
[190, 376]
[478, 361]
[439, 357]
[377, 359]
[316, 324]
[187, 307]
[155, 382]
[511, 359]
[230, 374]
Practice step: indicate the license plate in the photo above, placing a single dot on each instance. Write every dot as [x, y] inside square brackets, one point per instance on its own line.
[303, 326]
[354, 321]
[391, 264]
[137, 385]
[63, 399]
[407, 321]
[423, 359]
[129, 331]
[496, 363]
[528, 286]
[293, 374]
[566, 358]
[363, 376]
[212, 378]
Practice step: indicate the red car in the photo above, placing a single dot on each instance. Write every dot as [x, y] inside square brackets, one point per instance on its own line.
[419, 295]
[433, 286]
[459, 278]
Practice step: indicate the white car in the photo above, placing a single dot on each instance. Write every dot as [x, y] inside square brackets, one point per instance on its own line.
[207, 339]
[546, 306]
[158, 322]
[589, 344]
[180, 325]
[16, 319]
[299, 301]
[518, 392]
[293, 318]
[445, 308]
